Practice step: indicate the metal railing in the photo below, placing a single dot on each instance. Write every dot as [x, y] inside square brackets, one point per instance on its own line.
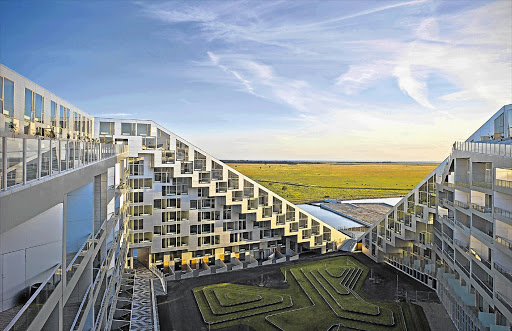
[75, 262]
[461, 204]
[504, 301]
[486, 185]
[79, 314]
[504, 150]
[156, 324]
[31, 308]
[503, 183]
[504, 241]
[503, 270]
[28, 159]
[160, 276]
[485, 285]
[482, 209]
[503, 212]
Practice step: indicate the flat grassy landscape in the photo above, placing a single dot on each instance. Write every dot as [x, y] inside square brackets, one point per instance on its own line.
[308, 182]
[322, 295]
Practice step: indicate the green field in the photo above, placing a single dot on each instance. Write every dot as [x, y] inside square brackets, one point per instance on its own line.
[321, 294]
[306, 182]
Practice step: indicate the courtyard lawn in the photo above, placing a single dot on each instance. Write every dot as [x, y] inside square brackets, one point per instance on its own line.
[321, 294]
[307, 182]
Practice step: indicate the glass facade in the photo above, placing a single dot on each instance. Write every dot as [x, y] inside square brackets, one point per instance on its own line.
[128, 129]
[107, 128]
[143, 129]
[7, 96]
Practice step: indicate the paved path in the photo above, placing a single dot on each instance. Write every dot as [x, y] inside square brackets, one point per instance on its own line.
[142, 313]
[437, 316]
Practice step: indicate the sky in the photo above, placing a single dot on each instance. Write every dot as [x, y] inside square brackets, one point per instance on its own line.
[277, 80]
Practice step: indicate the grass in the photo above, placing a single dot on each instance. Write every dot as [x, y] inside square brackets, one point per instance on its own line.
[293, 309]
[306, 182]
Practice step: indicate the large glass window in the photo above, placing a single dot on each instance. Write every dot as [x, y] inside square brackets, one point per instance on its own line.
[107, 128]
[143, 129]
[54, 113]
[38, 108]
[34, 106]
[7, 96]
[128, 129]
[29, 95]
[499, 126]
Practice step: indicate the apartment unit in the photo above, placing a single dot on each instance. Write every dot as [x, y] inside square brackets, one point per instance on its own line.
[453, 231]
[82, 198]
[188, 210]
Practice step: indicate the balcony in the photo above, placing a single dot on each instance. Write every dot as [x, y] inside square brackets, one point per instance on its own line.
[504, 241]
[503, 270]
[447, 202]
[487, 286]
[29, 312]
[31, 159]
[464, 268]
[484, 148]
[484, 261]
[504, 301]
[461, 204]
[503, 212]
[482, 209]
[503, 183]
[462, 184]
[485, 185]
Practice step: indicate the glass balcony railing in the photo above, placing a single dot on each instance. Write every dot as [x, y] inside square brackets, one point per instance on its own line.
[503, 212]
[486, 185]
[461, 204]
[77, 259]
[504, 150]
[30, 159]
[503, 183]
[482, 209]
[503, 270]
[504, 241]
[29, 311]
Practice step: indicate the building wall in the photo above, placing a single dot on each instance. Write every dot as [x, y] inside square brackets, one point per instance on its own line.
[20, 84]
[463, 248]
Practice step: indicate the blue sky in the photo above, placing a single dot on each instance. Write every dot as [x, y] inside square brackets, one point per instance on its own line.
[329, 80]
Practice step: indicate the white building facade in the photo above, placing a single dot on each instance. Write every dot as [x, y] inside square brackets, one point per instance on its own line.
[453, 231]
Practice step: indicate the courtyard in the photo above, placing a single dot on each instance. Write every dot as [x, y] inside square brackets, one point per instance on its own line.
[330, 292]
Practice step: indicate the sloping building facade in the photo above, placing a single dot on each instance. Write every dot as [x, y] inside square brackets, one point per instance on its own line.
[453, 231]
[82, 198]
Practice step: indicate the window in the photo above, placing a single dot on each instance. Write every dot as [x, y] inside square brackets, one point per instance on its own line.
[64, 115]
[163, 175]
[181, 151]
[29, 96]
[148, 142]
[136, 166]
[166, 203]
[499, 124]
[54, 113]
[163, 140]
[168, 157]
[137, 224]
[141, 183]
[143, 129]
[107, 128]
[128, 129]
[7, 96]
[137, 197]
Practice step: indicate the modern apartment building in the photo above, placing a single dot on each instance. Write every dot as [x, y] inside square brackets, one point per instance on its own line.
[453, 231]
[82, 197]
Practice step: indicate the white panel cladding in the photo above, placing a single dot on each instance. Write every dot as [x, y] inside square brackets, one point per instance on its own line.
[42, 229]
[13, 277]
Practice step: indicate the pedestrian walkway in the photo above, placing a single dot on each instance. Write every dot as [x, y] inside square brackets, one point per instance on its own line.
[142, 313]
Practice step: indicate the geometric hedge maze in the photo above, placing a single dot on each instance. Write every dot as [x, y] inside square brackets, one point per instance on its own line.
[322, 295]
